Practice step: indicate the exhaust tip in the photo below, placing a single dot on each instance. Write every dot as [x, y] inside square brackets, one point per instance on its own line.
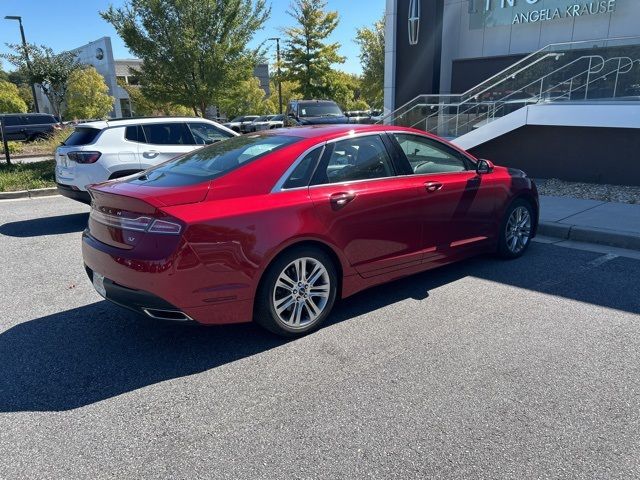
[173, 315]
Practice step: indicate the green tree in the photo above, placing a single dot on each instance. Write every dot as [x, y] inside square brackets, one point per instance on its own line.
[48, 69]
[88, 95]
[371, 42]
[247, 98]
[289, 89]
[344, 89]
[10, 101]
[193, 52]
[308, 56]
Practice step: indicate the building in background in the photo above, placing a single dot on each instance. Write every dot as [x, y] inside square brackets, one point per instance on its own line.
[448, 46]
[99, 54]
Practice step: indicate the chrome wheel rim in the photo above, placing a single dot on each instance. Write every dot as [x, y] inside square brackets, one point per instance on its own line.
[301, 292]
[518, 230]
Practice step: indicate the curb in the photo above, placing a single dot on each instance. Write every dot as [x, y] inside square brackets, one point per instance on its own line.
[602, 236]
[38, 192]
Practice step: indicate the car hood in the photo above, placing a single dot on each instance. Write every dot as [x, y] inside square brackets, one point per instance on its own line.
[323, 120]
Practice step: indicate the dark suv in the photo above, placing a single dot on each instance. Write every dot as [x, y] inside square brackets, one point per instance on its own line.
[313, 112]
[29, 126]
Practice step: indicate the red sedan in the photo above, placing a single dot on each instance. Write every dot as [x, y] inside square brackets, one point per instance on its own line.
[277, 226]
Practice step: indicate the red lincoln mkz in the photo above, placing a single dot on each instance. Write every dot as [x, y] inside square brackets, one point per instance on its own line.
[276, 226]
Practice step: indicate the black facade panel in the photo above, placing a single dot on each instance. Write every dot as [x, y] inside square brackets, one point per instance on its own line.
[418, 66]
[579, 154]
[469, 72]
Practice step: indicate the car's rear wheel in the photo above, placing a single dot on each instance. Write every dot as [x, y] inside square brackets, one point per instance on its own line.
[516, 229]
[297, 292]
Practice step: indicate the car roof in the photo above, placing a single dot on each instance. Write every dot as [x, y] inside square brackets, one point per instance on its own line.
[329, 132]
[26, 114]
[118, 122]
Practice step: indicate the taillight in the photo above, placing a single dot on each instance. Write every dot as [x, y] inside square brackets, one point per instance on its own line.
[84, 157]
[138, 224]
[163, 226]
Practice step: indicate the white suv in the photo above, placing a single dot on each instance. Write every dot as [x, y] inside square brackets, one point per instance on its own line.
[104, 150]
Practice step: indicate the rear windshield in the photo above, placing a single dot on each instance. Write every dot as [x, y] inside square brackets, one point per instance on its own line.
[82, 136]
[215, 160]
[319, 110]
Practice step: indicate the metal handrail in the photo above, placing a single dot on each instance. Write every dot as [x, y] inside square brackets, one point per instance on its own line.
[493, 106]
[502, 73]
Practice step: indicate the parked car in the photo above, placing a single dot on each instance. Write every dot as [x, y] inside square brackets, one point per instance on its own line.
[268, 122]
[313, 112]
[103, 150]
[258, 120]
[239, 124]
[29, 126]
[359, 116]
[276, 226]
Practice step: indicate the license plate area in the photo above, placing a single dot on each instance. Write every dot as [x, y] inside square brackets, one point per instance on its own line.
[98, 284]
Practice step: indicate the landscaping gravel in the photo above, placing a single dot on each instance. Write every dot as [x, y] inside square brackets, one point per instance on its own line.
[590, 191]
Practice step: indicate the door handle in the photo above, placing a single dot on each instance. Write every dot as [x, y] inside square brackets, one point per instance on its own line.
[339, 200]
[432, 186]
[151, 154]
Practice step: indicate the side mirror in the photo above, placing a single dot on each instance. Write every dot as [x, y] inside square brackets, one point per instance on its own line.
[484, 166]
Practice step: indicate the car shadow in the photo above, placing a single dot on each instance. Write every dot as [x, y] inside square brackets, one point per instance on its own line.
[75, 222]
[80, 356]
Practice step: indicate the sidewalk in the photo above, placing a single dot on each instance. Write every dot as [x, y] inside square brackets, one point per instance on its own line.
[591, 221]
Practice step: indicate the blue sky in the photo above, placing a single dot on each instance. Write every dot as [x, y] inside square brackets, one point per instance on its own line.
[66, 24]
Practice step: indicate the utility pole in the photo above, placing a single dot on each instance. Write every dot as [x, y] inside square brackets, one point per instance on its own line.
[277, 39]
[4, 141]
[26, 55]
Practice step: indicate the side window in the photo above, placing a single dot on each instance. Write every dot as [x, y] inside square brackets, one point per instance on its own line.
[360, 158]
[133, 133]
[430, 156]
[175, 133]
[206, 134]
[302, 173]
[12, 121]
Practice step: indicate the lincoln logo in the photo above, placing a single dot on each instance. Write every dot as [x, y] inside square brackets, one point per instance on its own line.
[414, 21]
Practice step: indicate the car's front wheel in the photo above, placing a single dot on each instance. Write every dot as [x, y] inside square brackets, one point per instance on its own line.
[297, 292]
[516, 229]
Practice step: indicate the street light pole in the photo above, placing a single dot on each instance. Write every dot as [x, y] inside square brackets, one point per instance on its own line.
[26, 55]
[277, 39]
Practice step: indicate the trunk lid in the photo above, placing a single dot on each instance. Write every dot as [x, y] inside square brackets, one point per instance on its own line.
[126, 215]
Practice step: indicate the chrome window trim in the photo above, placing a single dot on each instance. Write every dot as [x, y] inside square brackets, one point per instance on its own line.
[278, 187]
[459, 150]
[279, 184]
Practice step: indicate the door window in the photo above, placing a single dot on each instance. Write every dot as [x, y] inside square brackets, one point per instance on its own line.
[302, 173]
[168, 134]
[12, 121]
[360, 158]
[430, 156]
[206, 134]
[133, 133]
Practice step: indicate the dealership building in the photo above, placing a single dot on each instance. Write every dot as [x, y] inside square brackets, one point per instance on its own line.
[99, 54]
[489, 74]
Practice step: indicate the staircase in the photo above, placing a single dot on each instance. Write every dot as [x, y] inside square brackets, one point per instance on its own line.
[593, 70]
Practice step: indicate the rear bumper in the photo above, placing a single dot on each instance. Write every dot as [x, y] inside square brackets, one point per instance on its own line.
[168, 284]
[140, 301]
[74, 193]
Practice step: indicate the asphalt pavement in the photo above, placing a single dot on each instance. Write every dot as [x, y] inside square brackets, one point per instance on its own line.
[484, 369]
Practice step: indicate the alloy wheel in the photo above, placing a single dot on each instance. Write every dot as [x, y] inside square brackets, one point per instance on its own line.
[301, 292]
[518, 229]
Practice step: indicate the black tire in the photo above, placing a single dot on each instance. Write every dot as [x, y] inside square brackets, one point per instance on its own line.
[265, 313]
[505, 241]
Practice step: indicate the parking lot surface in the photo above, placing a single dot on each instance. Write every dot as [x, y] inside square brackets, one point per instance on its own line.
[484, 369]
